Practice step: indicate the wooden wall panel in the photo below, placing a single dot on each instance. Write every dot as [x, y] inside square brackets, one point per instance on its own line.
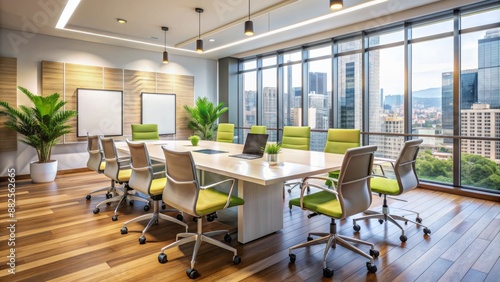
[135, 82]
[8, 93]
[113, 79]
[184, 89]
[79, 76]
[52, 78]
[165, 83]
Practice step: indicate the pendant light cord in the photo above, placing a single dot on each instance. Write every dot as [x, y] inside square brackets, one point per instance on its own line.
[248, 9]
[199, 25]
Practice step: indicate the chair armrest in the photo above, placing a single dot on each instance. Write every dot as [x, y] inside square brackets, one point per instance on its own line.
[305, 185]
[220, 182]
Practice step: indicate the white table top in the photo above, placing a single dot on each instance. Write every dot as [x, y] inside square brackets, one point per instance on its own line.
[292, 164]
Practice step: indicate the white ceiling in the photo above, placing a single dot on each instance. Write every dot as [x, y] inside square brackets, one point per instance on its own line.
[222, 21]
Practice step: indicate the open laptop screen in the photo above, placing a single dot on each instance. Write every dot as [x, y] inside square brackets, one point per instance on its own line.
[255, 143]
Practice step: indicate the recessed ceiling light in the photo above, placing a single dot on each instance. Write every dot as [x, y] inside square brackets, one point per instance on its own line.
[211, 40]
[122, 21]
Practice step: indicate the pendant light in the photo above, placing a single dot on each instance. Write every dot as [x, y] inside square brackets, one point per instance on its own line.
[249, 23]
[199, 42]
[165, 53]
[336, 4]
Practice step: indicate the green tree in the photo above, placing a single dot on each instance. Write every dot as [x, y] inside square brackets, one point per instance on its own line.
[203, 117]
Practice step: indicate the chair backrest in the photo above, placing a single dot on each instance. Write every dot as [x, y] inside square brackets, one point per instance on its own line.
[225, 133]
[145, 132]
[354, 180]
[182, 189]
[111, 157]
[95, 153]
[340, 139]
[296, 137]
[140, 163]
[258, 129]
[404, 167]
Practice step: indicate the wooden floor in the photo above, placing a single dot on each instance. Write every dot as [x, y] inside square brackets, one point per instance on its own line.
[58, 238]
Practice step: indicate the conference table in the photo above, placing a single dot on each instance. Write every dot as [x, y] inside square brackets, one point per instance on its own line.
[258, 183]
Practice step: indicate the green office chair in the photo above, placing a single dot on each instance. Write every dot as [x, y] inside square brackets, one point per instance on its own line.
[145, 132]
[97, 164]
[148, 179]
[183, 192]
[299, 138]
[225, 133]
[405, 180]
[350, 196]
[117, 169]
[338, 141]
[258, 129]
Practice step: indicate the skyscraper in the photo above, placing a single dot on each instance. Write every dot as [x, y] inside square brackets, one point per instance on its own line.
[489, 69]
[317, 82]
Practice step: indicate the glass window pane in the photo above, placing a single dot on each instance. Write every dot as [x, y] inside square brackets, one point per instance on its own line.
[435, 162]
[320, 51]
[292, 94]
[269, 61]
[249, 115]
[248, 65]
[349, 111]
[292, 56]
[319, 98]
[428, 29]
[480, 18]
[269, 101]
[385, 38]
[386, 105]
[350, 45]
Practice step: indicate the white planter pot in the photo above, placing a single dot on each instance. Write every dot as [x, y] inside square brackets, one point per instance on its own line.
[43, 172]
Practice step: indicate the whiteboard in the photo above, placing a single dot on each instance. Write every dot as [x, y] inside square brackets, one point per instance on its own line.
[159, 108]
[100, 112]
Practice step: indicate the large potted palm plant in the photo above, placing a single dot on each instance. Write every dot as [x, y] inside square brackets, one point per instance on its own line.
[41, 126]
[203, 117]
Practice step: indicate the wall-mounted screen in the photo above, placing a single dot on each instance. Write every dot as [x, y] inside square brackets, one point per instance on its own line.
[99, 112]
[159, 108]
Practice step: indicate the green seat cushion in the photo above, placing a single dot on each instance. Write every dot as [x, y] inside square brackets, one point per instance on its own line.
[384, 185]
[211, 200]
[157, 186]
[124, 175]
[102, 166]
[145, 132]
[322, 202]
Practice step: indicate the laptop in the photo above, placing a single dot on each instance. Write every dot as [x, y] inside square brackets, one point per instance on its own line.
[253, 148]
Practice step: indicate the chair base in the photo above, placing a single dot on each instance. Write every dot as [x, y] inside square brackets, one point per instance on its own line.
[153, 219]
[109, 190]
[120, 199]
[385, 215]
[198, 238]
[332, 239]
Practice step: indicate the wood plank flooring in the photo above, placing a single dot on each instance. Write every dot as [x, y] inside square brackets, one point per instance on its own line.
[58, 238]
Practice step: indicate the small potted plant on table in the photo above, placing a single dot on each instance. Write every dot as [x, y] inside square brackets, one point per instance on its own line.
[272, 150]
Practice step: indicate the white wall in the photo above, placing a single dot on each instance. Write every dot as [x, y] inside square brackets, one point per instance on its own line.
[30, 52]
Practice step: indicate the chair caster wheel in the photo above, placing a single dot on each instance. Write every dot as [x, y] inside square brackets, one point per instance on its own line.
[163, 206]
[124, 230]
[381, 221]
[211, 217]
[371, 268]
[418, 219]
[192, 273]
[309, 238]
[146, 208]
[88, 197]
[236, 259]
[162, 258]
[142, 240]
[327, 272]
[195, 219]
[227, 238]
[108, 203]
[374, 253]
[289, 190]
[403, 238]
[180, 217]
[114, 218]
[427, 231]
[108, 196]
[96, 210]
[293, 257]
[131, 202]
[356, 228]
